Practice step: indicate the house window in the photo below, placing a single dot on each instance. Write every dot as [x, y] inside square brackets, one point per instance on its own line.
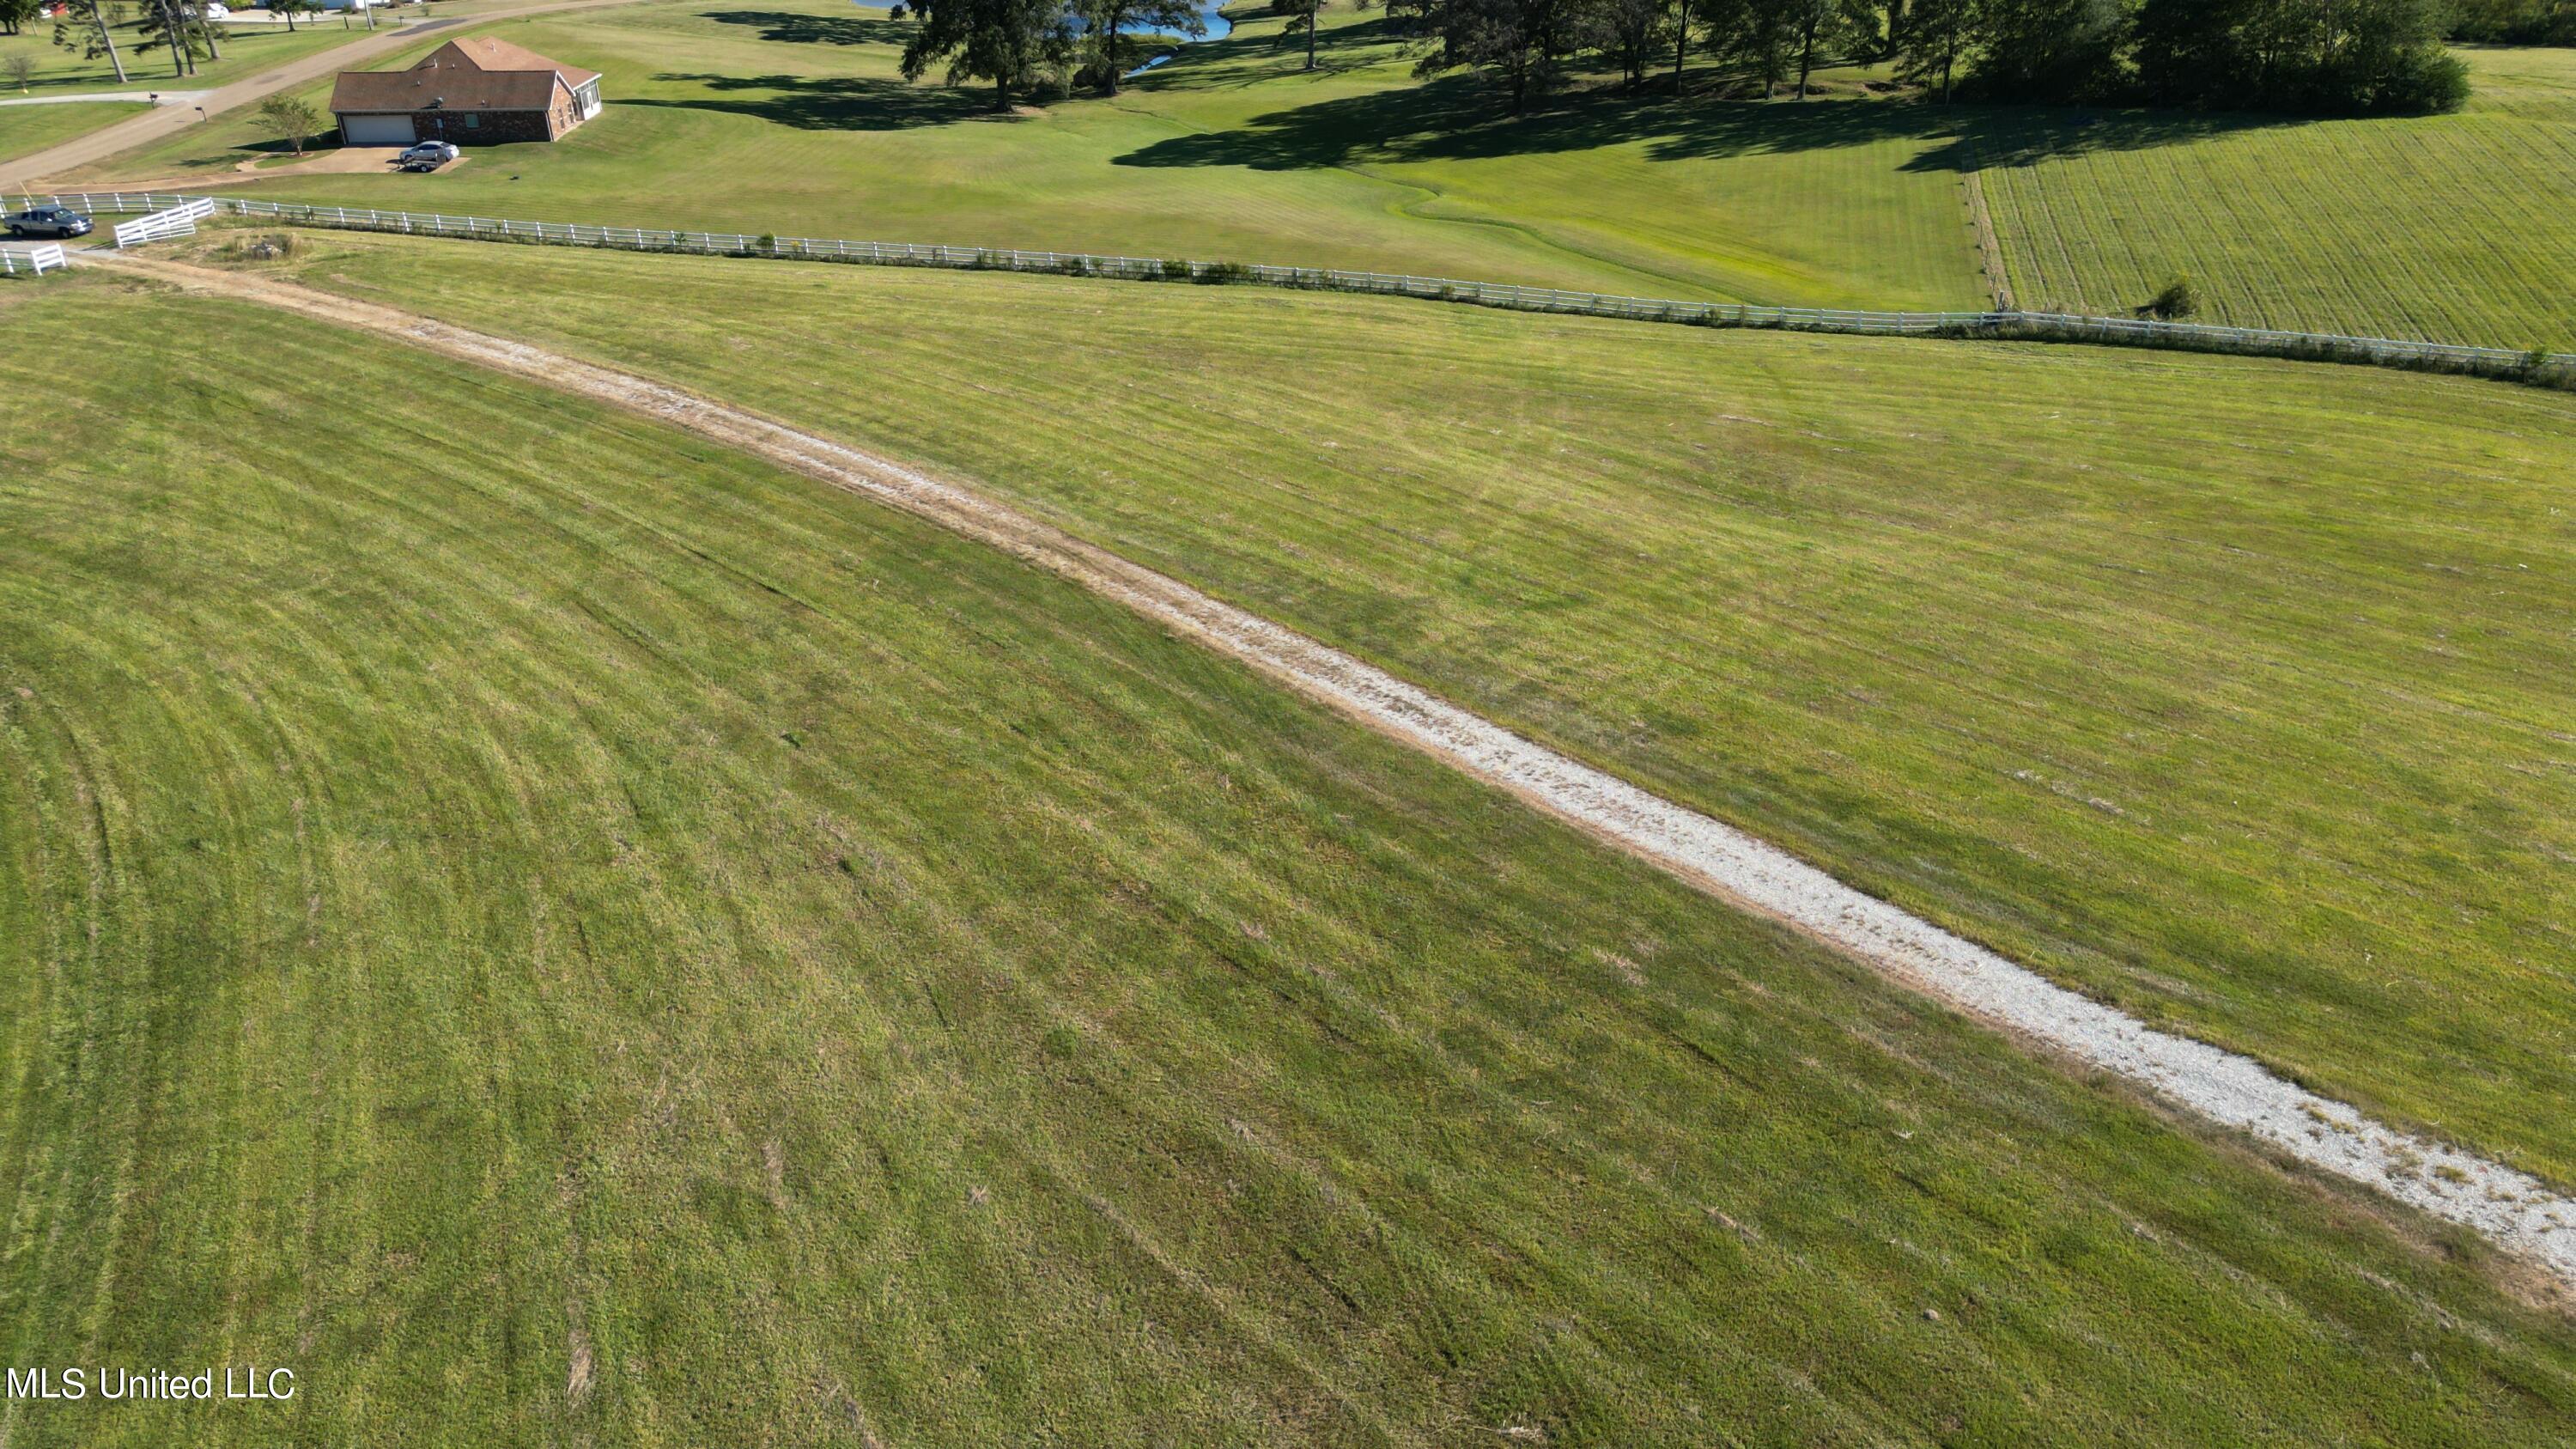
[473, 123]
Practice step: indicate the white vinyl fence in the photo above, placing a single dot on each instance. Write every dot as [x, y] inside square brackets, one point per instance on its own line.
[38, 259]
[2559, 368]
[178, 219]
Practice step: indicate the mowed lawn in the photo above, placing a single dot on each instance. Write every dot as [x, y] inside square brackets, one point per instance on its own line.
[248, 50]
[26, 129]
[2458, 228]
[2231, 692]
[791, 118]
[557, 933]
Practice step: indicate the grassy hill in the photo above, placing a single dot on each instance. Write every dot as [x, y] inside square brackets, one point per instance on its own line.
[791, 118]
[2228, 691]
[2454, 228]
[557, 933]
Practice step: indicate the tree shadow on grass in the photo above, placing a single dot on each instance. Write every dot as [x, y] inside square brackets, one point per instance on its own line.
[798, 29]
[831, 103]
[1463, 118]
[1203, 64]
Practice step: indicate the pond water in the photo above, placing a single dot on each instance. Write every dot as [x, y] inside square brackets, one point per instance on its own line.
[1218, 28]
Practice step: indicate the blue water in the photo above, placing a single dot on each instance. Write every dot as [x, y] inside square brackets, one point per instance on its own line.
[1218, 28]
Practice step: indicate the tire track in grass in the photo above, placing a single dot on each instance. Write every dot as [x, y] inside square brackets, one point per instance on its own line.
[2512, 1208]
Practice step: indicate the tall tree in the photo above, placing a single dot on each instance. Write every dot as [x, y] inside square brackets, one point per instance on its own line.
[165, 26]
[1007, 42]
[1522, 43]
[290, 9]
[2051, 50]
[1833, 25]
[1301, 21]
[1103, 21]
[1632, 33]
[205, 27]
[2350, 57]
[1934, 42]
[1762, 36]
[14, 15]
[83, 28]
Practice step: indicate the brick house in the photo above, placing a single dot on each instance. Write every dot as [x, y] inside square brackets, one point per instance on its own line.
[476, 91]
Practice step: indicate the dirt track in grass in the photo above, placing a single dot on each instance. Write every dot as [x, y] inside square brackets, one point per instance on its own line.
[2515, 1210]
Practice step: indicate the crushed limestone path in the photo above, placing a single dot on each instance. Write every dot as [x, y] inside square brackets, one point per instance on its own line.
[2514, 1209]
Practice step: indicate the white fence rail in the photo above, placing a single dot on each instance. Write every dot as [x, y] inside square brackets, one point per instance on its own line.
[38, 259]
[178, 219]
[2133, 331]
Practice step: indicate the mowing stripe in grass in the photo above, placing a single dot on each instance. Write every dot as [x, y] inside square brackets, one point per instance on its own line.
[2513, 1208]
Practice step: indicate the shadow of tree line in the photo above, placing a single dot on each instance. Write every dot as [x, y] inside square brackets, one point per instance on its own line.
[1460, 116]
[828, 103]
[798, 29]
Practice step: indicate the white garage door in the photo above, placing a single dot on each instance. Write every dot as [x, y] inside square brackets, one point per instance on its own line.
[376, 130]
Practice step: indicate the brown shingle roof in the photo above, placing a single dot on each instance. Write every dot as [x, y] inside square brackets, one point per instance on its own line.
[491, 53]
[474, 74]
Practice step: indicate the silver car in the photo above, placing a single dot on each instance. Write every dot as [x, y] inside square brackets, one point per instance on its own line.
[427, 155]
[58, 222]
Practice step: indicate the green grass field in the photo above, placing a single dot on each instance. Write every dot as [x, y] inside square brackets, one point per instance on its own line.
[248, 50]
[2228, 691]
[790, 118]
[2454, 228]
[557, 933]
[26, 129]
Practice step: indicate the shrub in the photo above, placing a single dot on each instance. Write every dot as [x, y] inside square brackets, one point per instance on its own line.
[276, 246]
[2420, 80]
[1176, 271]
[2179, 299]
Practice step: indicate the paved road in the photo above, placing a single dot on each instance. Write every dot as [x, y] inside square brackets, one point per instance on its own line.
[163, 98]
[153, 125]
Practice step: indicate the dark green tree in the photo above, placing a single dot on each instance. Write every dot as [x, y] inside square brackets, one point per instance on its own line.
[1008, 42]
[2050, 50]
[82, 28]
[165, 27]
[1104, 21]
[1302, 20]
[1933, 42]
[1522, 43]
[2352, 57]
[1762, 37]
[1831, 27]
[1632, 33]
